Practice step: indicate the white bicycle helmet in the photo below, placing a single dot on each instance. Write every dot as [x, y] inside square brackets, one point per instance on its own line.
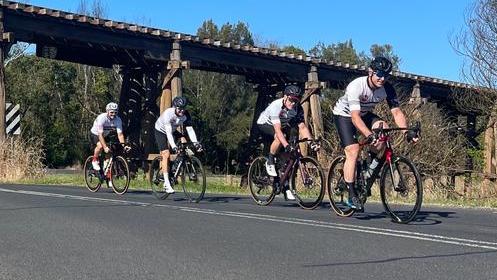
[111, 107]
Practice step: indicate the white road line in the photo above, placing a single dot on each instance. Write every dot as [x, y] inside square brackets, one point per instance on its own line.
[313, 223]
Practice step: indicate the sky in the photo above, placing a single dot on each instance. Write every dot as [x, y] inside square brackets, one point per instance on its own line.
[420, 31]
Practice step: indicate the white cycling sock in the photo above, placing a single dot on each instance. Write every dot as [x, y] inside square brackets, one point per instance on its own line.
[166, 180]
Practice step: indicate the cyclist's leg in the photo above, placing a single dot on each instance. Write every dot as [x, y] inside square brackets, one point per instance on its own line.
[96, 151]
[346, 132]
[270, 137]
[163, 145]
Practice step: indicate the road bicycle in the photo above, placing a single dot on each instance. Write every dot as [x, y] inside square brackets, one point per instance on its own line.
[302, 175]
[400, 183]
[186, 170]
[114, 171]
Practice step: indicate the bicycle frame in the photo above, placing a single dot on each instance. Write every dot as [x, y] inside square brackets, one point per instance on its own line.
[181, 158]
[292, 162]
[385, 159]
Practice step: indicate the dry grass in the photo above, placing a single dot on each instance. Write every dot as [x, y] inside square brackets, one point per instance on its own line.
[20, 159]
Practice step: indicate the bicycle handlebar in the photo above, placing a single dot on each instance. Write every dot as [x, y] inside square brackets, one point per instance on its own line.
[415, 127]
[381, 132]
[307, 140]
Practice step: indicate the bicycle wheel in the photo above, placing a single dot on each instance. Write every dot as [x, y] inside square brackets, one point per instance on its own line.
[92, 178]
[337, 189]
[156, 178]
[260, 183]
[401, 190]
[119, 175]
[307, 183]
[192, 179]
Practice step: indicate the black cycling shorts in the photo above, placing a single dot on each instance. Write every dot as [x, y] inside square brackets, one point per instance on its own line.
[109, 138]
[346, 129]
[268, 132]
[161, 139]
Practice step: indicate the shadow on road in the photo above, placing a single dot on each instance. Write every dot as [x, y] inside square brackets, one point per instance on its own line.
[387, 260]
[422, 218]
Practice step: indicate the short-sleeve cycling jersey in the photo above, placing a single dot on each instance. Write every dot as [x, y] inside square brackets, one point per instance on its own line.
[359, 96]
[103, 124]
[168, 120]
[276, 112]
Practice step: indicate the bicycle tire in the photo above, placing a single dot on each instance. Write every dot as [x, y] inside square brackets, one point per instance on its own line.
[92, 178]
[259, 181]
[308, 191]
[120, 175]
[401, 200]
[193, 179]
[337, 189]
[156, 179]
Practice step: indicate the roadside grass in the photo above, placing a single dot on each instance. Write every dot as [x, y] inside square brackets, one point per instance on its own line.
[215, 184]
[230, 185]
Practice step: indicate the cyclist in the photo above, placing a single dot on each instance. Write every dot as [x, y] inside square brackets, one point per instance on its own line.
[353, 113]
[277, 120]
[106, 127]
[166, 132]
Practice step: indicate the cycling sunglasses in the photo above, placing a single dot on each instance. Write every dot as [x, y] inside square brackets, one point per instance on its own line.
[381, 74]
[293, 99]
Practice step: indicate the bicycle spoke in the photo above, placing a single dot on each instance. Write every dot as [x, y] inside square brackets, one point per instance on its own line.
[120, 175]
[92, 178]
[308, 183]
[156, 178]
[260, 184]
[193, 179]
[337, 189]
[401, 190]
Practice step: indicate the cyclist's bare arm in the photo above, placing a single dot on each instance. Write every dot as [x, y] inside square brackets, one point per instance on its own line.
[120, 136]
[279, 134]
[399, 117]
[359, 123]
[306, 133]
[102, 140]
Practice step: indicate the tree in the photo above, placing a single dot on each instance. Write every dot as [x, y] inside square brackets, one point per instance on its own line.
[293, 49]
[477, 44]
[343, 52]
[222, 104]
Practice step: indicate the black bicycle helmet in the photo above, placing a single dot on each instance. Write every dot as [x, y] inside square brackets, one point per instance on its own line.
[293, 91]
[179, 102]
[382, 64]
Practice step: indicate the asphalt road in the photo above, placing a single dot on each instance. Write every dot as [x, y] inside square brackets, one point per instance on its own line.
[70, 233]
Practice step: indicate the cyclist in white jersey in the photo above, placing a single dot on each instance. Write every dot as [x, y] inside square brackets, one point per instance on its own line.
[277, 120]
[166, 134]
[353, 114]
[105, 126]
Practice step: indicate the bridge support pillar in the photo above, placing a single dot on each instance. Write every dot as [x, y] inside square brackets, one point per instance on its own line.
[6, 40]
[312, 103]
[172, 81]
[138, 108]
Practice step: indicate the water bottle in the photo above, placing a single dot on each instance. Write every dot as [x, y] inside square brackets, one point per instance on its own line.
[370, 169]
[106, 164]
[174, 165]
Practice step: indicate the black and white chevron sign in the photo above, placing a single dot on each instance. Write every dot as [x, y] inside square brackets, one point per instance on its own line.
[12, 119]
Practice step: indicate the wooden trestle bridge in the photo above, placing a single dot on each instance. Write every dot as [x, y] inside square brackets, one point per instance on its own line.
[152, 61]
